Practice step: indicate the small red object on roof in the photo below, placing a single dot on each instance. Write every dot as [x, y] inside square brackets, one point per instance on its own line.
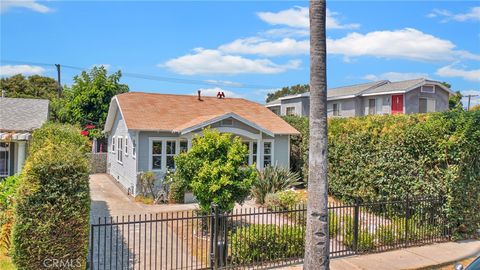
[89, 126]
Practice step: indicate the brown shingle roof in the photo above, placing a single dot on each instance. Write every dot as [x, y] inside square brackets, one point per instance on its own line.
[165, 112]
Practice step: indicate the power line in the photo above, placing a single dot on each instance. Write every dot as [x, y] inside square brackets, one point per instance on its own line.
[155, 77]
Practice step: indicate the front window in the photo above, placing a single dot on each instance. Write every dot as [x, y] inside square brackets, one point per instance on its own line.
[254, 152]
[426, 105]
[290, 110]
[267, 154]
[183, 146]
[170, 153]
[157, 155]
[120, 150]
[4, 159]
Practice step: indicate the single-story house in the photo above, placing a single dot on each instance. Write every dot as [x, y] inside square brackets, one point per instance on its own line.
[381, 97]
[18, 118]
[146, 130]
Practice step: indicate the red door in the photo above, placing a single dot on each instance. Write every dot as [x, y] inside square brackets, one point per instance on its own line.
[397, 104]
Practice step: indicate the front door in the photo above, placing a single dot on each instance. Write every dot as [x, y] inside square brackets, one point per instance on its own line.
[397, 104]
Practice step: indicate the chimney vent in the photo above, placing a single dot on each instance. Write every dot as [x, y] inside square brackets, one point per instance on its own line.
[199, 95]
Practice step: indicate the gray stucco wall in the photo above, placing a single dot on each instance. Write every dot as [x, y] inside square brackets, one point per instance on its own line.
[126, 172]
[301, 105]
[347, 107]
[412, 99]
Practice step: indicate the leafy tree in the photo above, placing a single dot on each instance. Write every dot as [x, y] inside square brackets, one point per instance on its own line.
[455, 101]
[88, 99]
[215, 170]
[289, 90]
[34, 86]
[447, 84]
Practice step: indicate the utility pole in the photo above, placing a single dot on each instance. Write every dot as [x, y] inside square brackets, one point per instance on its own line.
[59, 92]
[469, 98]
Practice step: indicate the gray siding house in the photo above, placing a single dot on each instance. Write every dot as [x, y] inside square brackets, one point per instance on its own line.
[381, 97]
[146, 131]
[18, 118]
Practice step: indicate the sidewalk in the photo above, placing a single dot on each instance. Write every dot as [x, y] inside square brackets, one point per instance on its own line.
[408, 258]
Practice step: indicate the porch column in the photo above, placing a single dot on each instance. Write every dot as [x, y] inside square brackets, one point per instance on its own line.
[259, 152]
[20, 155]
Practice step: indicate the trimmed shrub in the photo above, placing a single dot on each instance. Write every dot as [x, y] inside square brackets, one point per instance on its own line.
[266, 242]
[380, 158]
[53, 207]
[58, 134]
[8, 188]
[273, 179]
[176, 193]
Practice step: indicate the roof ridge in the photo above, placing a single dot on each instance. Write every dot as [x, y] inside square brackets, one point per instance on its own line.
[181, 95]
[358, 84]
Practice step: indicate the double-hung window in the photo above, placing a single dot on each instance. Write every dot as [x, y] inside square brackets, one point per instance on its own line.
[183, 146]
[267, 153]
[157, 155]
[134, 147]
[254, 152]
[113, 144]
[4, 159]
[126, 146]
[120, 150]
[170, 153]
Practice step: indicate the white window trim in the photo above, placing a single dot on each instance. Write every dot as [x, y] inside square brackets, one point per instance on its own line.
[164, 150]
[134, 146]
[126, 146]
[422, 91]
[291, 107]
[8, 160]
[272, 154]
[120, 149]
[113, 148]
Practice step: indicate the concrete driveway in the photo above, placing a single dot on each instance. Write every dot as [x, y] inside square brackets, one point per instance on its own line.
[108, 200]
[147, 244]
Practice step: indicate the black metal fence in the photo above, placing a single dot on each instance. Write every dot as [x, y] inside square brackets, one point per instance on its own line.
[259, 237]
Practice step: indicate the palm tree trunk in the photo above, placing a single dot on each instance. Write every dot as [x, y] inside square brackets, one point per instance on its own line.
[317, 242]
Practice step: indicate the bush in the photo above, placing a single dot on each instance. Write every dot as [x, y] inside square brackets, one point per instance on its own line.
[176, 193]
[53, 205]
[273, 179]
[8, 188]
[215, 170]
[381, 158]
[58, 134]
[266, 242]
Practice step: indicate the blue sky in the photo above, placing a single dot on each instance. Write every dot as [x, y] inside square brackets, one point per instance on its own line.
[230, 45]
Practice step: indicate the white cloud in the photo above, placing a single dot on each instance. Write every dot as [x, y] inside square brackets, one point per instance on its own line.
[286, 32]
[473, 14]
[223, 82]
[254, 45]
[212, 92]
[451, 71]
[395, 76]
[207, 61]
[406, 43]
[299, 17]
[29, 4]
[10, 70]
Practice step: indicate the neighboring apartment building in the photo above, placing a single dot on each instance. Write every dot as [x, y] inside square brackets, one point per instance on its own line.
[381, 97]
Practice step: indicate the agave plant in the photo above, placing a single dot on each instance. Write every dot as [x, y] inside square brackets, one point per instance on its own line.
[273, 179]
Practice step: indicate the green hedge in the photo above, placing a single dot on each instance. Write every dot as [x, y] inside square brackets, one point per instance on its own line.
[384, 157]
[8, 188]
[53, 203]
[58, 134]
[266, 243]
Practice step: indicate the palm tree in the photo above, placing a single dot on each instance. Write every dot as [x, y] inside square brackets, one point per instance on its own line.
[317, 242]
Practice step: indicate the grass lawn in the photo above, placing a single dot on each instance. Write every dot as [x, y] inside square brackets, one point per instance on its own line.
[6, 263]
